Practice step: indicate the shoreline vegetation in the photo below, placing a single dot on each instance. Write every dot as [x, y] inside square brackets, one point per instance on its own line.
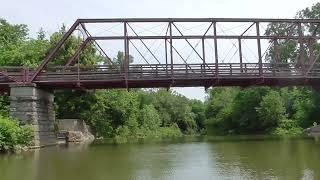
[14, 137]
[141, 113]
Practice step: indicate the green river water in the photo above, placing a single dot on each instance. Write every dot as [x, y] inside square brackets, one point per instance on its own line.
[196, 159]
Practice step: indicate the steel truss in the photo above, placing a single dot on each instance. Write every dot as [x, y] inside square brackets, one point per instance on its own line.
[171, 72]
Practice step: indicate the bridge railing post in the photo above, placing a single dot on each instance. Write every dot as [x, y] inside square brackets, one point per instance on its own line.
[245, 68]
[156, 70]
[141, 71]
[202, 69]
[23, 75]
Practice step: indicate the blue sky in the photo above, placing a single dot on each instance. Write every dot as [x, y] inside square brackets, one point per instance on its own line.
[51, 14]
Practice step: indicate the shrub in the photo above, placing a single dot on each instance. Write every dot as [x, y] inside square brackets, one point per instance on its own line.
[287, 128]
[12, 135]
[170, 132]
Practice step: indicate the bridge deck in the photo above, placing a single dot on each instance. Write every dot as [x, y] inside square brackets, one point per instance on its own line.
[164, 75]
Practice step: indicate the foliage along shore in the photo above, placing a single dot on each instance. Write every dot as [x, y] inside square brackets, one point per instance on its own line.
[14, 137]
[122, 115]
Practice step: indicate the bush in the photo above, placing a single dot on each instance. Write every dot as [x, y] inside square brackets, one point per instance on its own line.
[170, 132]
[295, 131]
[13, 135]
[287, 128]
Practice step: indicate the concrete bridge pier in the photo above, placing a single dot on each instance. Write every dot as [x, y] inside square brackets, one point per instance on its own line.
[32, 105]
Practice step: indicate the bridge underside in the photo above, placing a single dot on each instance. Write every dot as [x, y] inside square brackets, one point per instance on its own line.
[167, 83]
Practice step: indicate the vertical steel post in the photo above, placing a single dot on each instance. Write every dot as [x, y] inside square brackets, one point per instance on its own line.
[27, 74]
[311, 50]
[259, 48]
[216, 47]
[203, 56]
[276, 51]
[166, 54]
[240, 54]
[276, 56]
[171, 55]
[126, 53]
[23, 73]
[301, 42]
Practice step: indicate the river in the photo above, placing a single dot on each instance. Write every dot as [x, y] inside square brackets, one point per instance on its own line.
[197, 159]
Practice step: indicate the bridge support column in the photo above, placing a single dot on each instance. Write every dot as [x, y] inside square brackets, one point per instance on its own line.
[34, 106]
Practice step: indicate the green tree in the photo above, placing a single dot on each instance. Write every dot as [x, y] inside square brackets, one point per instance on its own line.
[89, 55]
[219, 110]
[119, 60]
[4, 106]
[149, 118]
[271, 111]
[199, 116]
[289, 49]
[12, 135]
[72, 103]
[16, 49]
[113, 109]
[11, 35]
[245, 114]
[174, 109]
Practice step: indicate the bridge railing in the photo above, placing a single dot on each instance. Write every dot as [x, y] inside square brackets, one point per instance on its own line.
[175, 71]
[159, 71]
[12, 74]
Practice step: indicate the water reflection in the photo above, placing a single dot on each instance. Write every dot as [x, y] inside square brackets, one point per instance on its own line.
[198, 159]
[272, 159]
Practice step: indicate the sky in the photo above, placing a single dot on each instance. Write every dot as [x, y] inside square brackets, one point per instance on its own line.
[50, 14]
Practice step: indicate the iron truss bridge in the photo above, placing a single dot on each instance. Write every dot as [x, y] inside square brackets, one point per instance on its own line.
[181, 52]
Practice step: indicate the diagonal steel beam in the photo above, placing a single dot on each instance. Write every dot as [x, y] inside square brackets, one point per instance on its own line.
[203, 49]
[211, 24]
[79, 50]
[202, 58]
[144, 44]
[188, 42]
[312, 64]
[140, 53]
[247, 29]
[54, 51]
[183, 59]
[97, 44]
